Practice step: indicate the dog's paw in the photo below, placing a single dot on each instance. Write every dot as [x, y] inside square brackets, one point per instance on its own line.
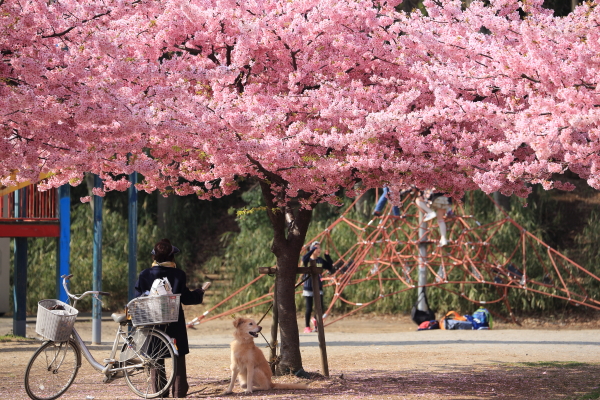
[226, 392]
[248, 391]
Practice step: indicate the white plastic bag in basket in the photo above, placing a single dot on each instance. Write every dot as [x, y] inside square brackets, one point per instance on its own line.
[161, 287]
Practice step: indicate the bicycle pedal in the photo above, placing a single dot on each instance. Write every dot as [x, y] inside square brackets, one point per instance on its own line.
[109, 361]
[113, 376]
[108, 380]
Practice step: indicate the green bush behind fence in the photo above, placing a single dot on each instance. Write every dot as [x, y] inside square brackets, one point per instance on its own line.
[241, 253]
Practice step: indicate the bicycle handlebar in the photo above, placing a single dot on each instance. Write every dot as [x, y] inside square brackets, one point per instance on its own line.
[77, 298]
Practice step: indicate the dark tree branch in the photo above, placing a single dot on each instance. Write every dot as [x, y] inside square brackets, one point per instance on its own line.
[294, 62]
[238, 82]
[213, 57]
[531, 79]
[273, 177]
[229, 50]
[193, 52]
[314, 87]
[71, 28]
[586, 85]
[385, 61]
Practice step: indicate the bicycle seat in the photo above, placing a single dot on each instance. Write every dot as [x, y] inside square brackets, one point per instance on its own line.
[119, 318]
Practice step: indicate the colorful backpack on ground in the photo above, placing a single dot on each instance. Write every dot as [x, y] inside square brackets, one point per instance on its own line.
[450, 315]
[482, 319]
[427, 325]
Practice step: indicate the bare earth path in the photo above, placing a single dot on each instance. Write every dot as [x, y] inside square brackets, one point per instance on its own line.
[371, 358]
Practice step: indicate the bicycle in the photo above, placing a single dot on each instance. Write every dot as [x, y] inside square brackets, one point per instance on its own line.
[147, 354]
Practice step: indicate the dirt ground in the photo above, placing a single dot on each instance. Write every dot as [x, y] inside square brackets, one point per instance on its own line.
[372, 358]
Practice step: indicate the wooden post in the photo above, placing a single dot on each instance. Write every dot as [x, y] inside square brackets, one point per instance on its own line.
[274, 329]
[315, 272]
[319, 314]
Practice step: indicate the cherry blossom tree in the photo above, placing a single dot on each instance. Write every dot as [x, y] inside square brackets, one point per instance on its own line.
[306, 96]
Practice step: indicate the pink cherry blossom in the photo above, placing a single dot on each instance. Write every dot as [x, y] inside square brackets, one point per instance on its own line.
[319, 93]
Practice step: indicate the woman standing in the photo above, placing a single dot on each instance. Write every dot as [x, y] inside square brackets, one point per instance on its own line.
[163, 266]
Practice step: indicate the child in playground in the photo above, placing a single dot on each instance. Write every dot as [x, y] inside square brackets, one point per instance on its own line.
[387, 194]
[163, 266]
[314, 253]
[394, 197]
[435, 204]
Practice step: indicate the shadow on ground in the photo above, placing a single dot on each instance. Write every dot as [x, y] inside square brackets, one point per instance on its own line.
[527, 381]
[531, 381]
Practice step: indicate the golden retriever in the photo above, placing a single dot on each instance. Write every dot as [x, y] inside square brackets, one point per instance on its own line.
[248, 363]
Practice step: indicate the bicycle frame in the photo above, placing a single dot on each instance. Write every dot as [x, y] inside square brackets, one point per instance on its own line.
[106, 369]
[121, 338]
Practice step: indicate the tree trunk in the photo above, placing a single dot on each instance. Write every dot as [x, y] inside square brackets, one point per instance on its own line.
[291, 359]
[289, 234]
[502, 200]
[364, 204]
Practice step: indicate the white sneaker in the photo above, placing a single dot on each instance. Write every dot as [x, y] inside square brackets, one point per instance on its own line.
[443, 242]
[431, 215]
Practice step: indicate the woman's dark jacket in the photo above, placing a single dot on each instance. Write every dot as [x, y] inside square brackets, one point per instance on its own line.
[177, 279]
[326, 263]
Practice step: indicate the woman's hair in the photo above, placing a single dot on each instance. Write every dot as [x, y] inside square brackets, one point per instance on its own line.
[164, 251]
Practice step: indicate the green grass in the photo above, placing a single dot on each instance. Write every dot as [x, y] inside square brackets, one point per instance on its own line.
[554, 364]
[595, 394]
[13, 338]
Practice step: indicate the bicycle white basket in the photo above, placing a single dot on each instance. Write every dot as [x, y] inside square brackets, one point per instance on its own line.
[154, 310]
[55, 320]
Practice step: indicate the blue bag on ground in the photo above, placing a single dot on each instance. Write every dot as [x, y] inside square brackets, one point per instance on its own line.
[455, 324]
[482, 319]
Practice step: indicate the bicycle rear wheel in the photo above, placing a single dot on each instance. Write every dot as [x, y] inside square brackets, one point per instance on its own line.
[152, 373]
[52, 369]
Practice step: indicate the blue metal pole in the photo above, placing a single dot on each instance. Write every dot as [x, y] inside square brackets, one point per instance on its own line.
[64, 241]
[97, 265]
[20, 271]
[133, 228]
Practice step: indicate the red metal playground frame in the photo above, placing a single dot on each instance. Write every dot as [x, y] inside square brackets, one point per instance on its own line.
[387, 251]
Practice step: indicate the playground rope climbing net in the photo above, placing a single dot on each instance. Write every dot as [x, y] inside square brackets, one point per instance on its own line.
[386, 250]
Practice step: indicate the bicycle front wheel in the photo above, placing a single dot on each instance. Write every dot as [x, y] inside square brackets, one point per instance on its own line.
[52, 369]
[152, 372]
